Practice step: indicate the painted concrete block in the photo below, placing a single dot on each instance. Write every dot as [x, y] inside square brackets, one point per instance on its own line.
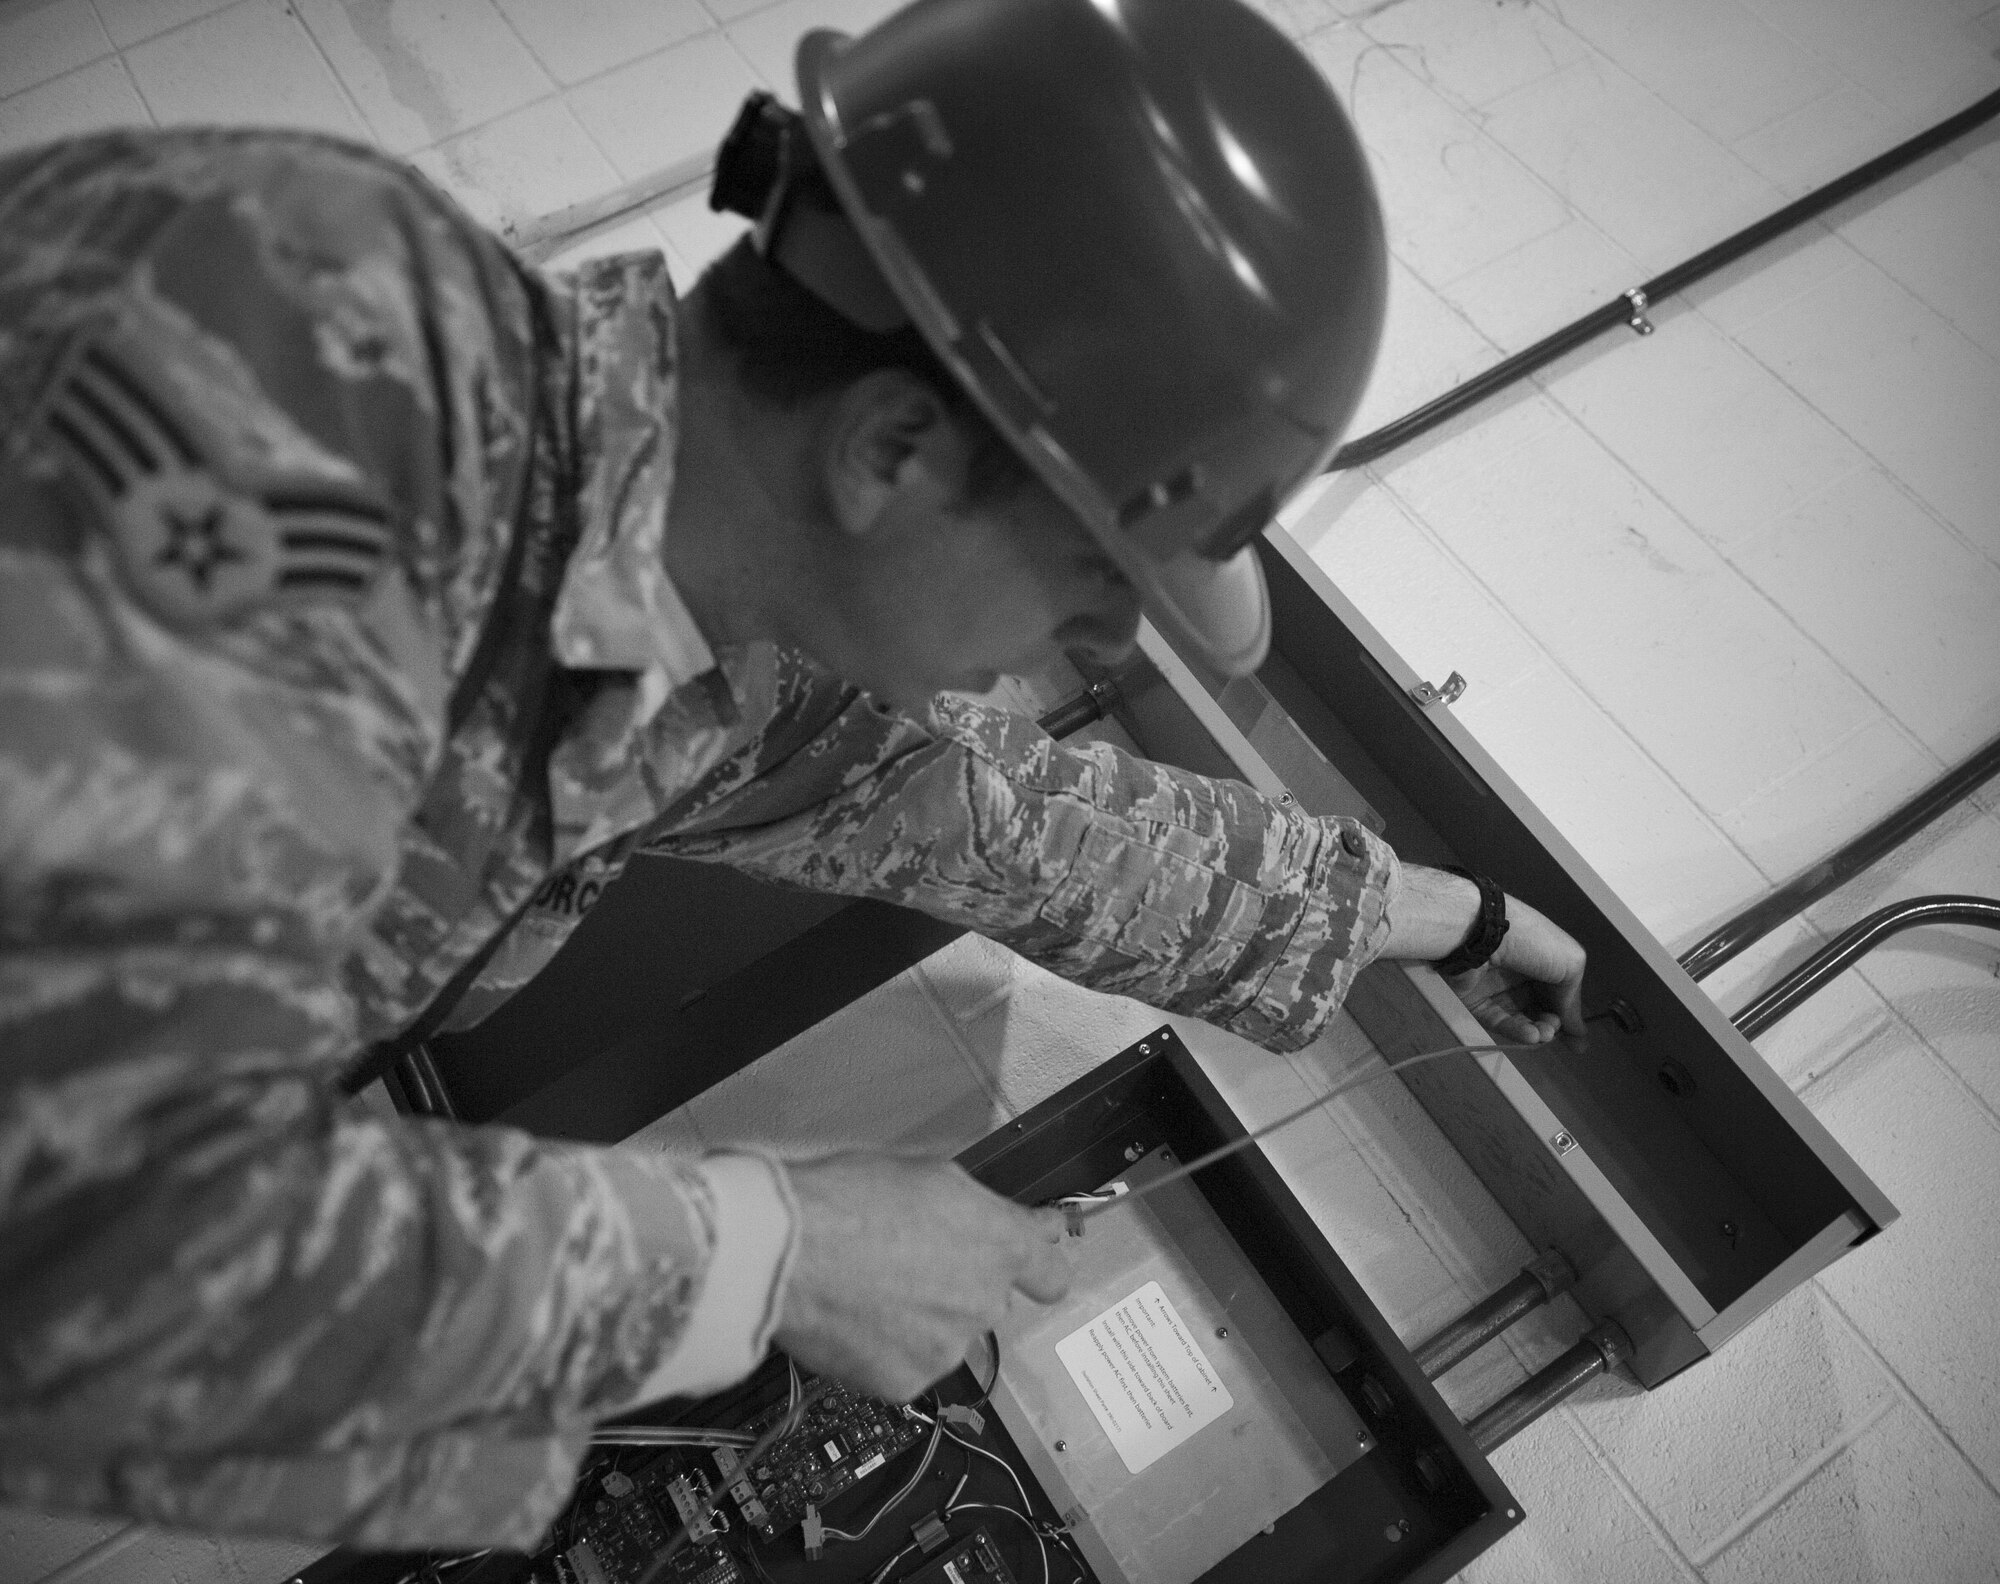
[1830, 796]
[1427, 348]
[880, 1073]
[1583, 1526]
[1470, 442]
[1475, 54]
[671, 106]
[1452, 199]
[1923, 1292]
[1666, 636]
[1721, 439]
[1813, 144]
[96, 96]
[1543, 285]
[1044, 1034]
[1941, 239]
[252, 65]
[129, 21]
[1920, 58]
[422, 72]
[1903, 382]
[1772, 277]
[1435, 613]
[581, 38]
[1656, 184]
[1782, 1392]
[1903, 603]
[40, 39]
[1717, 63]
[731, 10]
[522, 166]
[1897, 1505]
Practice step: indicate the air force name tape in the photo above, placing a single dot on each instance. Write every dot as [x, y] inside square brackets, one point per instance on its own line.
[194, 549]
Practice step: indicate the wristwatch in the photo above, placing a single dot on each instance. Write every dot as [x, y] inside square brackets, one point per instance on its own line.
[1488, 930]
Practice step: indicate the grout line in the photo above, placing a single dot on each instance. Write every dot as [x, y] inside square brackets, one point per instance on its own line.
[1925, 1048]
[1862, 260]
[340, 84]
[1633, 1500]
[1903, 1387]
[125, 66]
[1776, 1497]
[988, 1082]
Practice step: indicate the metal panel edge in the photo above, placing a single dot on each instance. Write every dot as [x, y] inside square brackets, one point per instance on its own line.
[1868, 1198]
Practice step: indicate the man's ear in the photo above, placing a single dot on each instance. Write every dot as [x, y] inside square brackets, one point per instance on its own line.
[890, 438]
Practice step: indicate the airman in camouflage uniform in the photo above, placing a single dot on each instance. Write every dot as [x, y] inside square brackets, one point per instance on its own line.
[334, 626]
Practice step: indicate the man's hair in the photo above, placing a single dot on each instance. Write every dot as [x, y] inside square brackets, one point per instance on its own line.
[791, 347]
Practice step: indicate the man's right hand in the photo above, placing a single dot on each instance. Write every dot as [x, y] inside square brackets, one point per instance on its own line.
[902, 1264]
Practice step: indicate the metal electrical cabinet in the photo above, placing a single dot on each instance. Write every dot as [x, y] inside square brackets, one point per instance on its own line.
[1686, 1185]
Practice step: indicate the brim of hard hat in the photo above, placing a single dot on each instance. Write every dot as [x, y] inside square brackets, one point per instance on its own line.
[1217, 612]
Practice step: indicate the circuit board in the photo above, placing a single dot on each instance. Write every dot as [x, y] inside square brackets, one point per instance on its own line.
[845, 1438]
[626, 1520]
[973, 1560]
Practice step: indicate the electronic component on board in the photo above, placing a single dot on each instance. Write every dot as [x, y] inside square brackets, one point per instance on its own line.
[843, 1439]
[973, 1560]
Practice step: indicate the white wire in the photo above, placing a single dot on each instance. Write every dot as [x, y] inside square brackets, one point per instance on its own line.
[923, 1468]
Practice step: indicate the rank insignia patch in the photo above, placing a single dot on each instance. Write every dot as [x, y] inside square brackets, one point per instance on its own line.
[194, 549]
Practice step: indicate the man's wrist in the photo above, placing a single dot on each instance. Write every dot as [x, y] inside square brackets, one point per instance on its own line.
[1488, 929]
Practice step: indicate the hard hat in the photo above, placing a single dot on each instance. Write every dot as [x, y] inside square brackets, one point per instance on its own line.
[1142, 234]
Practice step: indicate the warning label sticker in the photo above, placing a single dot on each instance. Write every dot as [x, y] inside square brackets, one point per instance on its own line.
[1147, 1382]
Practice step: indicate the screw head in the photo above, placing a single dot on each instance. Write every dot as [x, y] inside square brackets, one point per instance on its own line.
[1133, 1152]
[1222, 1331]
[1062, 1446]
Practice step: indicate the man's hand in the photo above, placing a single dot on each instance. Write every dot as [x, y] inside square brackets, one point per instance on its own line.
[901, 1264]
[1529, 992]
[1532, 989]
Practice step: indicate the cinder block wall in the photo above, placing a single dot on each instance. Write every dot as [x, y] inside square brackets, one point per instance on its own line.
[1723, 595]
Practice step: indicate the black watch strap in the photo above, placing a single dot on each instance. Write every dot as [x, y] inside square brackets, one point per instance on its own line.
[1488, 930]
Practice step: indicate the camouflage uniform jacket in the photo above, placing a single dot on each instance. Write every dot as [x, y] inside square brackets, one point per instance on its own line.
[334, 628]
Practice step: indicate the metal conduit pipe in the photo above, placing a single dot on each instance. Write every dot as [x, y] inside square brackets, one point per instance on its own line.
[1540, 1280]
[1600, 1351]
[1799, 893]
[1855, 942]
[1629, 308]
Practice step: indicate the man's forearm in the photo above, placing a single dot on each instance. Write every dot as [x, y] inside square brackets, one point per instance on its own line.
[1430, 914]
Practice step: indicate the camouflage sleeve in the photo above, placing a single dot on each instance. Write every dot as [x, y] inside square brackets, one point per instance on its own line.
[1197, 896]
[229, 368]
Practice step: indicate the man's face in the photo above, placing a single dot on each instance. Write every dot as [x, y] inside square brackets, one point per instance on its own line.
[955, 594]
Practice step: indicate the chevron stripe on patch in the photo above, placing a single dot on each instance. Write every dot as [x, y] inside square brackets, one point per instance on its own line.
[194, 547]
